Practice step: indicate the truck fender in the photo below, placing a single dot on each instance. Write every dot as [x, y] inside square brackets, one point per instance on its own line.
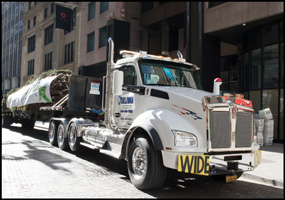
[78, 122]
[147, 128]
[158, 123]
[143, 123]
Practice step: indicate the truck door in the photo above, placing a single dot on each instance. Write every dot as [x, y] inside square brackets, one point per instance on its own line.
[129, 104]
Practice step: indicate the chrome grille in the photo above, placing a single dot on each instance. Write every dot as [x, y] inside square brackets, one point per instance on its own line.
[244, 129]
[220, 129]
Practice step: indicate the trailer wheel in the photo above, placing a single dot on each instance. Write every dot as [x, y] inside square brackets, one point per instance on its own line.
[145, 165]
[6, 121]
[73, 140]
[52, 133]
[61, 140]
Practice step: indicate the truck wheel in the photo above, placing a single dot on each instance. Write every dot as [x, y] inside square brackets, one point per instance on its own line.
[6, 121]
[73, 140]
[145, 165]
[52, 133]
[61, 141]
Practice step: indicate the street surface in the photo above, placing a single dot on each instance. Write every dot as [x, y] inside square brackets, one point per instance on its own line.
[32, 168]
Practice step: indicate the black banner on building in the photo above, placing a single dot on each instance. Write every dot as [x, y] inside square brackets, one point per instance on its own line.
[63, 17]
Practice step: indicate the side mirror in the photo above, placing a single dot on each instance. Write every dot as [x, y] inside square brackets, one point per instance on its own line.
[118, 80]
[217, 83]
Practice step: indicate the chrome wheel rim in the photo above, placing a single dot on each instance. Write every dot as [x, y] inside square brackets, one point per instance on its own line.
[60, 136]
[51, 132]
[72, 135]
[139, 161]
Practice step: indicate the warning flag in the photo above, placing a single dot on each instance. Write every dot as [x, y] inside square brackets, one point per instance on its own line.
[63, 17]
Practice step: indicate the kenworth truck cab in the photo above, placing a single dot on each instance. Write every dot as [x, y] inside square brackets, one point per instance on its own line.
[152, 112]
[157, 116]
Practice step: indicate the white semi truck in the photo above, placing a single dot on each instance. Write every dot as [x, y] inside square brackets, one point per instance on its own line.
[152, 112]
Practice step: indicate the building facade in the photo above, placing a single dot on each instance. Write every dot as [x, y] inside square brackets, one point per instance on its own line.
[44, 46]
[119, 20]
[12, 29]
[252, 52]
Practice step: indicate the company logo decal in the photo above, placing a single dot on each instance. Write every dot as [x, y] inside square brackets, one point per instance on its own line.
[184, 111]
[126, 104]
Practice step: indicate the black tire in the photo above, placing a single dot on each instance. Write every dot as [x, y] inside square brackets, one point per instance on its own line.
[62, 142]
[145, 166]
[73, 140]
[52, 133]
[6, 121]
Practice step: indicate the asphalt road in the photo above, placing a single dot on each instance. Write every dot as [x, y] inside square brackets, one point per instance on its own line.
[32, 168]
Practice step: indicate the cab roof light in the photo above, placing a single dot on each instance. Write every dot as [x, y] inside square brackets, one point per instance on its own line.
[127, 53]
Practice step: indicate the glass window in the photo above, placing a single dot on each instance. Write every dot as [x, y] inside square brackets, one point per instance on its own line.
[72, 52]
[255, 38]
[281, 114]
[255, 70]
[169, 74]
[146, 6]
[212, 4]
[224, 73]
[49, 34]
[48, 61]
[270, 100]
[245, 42]
[282, 65]
[234, 75]
[91, 10]
[103, 36]
[104, 6]
[244, 72]
[281, 31]
[45, 13]
[270, 67]
[130, 75]
[29, 23]
[270, 34]
[31, 67]
[31, 43]
[173, 39]
[35, 20]
[255, 98]
[90, 41]
[51, 7]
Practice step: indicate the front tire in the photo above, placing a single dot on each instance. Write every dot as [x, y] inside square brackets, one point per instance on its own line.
[145, 165]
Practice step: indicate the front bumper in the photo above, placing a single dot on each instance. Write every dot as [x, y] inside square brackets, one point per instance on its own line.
[211, 164]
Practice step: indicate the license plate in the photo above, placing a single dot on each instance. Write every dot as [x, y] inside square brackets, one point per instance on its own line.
[194, 164]
[231, 178]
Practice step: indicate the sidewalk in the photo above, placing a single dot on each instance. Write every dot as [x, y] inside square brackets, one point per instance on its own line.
[271, 169]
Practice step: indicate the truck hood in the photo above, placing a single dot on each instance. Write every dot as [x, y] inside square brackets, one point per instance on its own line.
[190, 93]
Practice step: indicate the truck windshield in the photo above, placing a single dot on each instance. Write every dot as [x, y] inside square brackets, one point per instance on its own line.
[163, 73]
